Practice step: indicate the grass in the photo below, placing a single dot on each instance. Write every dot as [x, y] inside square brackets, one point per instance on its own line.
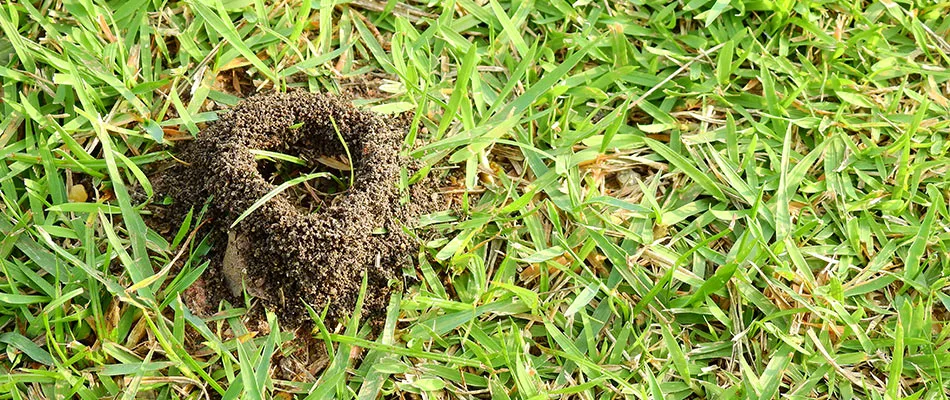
[696, 199]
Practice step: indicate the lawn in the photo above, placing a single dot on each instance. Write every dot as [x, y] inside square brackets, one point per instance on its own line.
[690, 199]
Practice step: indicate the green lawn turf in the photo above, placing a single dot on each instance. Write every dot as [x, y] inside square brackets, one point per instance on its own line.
[692, 199]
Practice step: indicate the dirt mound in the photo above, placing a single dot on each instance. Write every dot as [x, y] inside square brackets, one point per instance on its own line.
[311, 243]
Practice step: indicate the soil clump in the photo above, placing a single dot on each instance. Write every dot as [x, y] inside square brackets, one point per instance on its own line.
[315, 241]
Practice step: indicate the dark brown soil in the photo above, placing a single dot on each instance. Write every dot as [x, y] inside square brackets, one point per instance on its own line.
[300, 246]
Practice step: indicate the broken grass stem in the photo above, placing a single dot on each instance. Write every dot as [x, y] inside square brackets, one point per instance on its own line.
[349, 158]
[272, 155]
[283, 186]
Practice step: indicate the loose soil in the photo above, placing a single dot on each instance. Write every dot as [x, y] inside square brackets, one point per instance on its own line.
[312, 243]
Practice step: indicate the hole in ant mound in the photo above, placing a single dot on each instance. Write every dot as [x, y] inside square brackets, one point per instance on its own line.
[309, 195]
